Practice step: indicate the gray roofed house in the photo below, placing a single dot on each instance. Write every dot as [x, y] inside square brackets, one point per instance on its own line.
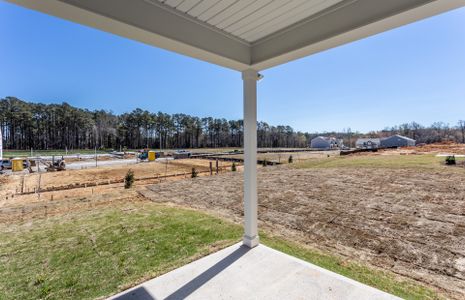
[397, 141]
[324, 142]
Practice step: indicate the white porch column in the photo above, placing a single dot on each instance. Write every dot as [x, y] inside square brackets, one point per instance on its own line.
[250, 78]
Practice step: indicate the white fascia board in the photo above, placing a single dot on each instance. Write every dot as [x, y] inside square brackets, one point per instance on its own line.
[151, 24]
[274, 51]
[154, 24]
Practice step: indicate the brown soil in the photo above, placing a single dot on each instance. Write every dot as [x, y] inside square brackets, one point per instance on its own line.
[66, 206]
[444, 147]
[11, 185]
[411, 222]
[282, 157]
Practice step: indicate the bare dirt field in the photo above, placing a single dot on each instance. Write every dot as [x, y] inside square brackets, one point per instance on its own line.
[409, 221]
[444, 147]
[27, 211]
[11, 185]
[282, 157]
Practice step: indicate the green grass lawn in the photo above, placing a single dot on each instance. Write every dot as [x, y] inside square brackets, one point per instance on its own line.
[101, 252]
[379, 161]
[98, 254]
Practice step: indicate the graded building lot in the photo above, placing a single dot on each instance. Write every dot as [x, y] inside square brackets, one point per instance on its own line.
[282, 157]
[405, 214]
[10, 185]
[402, 213]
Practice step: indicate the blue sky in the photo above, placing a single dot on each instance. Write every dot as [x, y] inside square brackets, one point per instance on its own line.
[413, 73]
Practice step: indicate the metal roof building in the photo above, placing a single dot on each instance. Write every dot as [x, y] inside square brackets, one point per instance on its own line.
[397, 141]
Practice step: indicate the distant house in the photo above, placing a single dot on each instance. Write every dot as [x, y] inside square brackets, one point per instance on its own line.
[323, 142]
[368, 143]
[397, 141]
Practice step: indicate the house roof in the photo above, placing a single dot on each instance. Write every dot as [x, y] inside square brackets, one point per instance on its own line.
[400, 136]
[326, 138]
[365, 140]
[243, 34]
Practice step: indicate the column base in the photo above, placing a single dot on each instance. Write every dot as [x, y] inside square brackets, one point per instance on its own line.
[250, 242]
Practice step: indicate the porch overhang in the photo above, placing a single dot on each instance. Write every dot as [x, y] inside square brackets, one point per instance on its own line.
[243, 34]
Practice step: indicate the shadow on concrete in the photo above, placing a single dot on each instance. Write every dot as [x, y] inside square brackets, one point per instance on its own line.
[203, 278]
[140, 294]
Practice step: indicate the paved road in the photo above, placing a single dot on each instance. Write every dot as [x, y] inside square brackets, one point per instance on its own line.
[88, 164]
[91, 164]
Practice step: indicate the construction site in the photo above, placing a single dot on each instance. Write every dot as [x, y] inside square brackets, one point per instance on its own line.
[78, 176]
[400, 210]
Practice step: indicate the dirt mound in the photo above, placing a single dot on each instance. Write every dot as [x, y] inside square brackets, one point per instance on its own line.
[444, 147]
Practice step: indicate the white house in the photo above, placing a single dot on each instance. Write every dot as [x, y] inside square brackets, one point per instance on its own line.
[324, 142]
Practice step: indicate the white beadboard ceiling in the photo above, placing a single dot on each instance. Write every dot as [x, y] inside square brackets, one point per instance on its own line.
[249, 20]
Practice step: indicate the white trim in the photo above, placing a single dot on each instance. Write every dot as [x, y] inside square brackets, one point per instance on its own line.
[216, 48]
[192, 19]
[433, 8]
[160, 26]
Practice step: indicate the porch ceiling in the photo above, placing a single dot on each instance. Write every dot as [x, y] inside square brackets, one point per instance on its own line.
[243, 34]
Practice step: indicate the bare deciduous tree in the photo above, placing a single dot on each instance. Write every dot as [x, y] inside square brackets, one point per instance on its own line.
[462, 130]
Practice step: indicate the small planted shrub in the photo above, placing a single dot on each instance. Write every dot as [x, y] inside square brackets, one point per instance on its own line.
[264, 163]
[194, 173]
[290, 159]
[450, 160]
[129, 179]
[233, 167]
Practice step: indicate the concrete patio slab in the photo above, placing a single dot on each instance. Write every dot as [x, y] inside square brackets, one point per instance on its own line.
[238, 272]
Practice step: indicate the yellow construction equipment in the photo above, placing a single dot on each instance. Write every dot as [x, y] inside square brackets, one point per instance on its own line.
[152, 155]
[17, 164]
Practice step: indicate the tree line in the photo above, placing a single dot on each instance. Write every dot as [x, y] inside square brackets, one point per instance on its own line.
[437, 132]
[27, 125]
